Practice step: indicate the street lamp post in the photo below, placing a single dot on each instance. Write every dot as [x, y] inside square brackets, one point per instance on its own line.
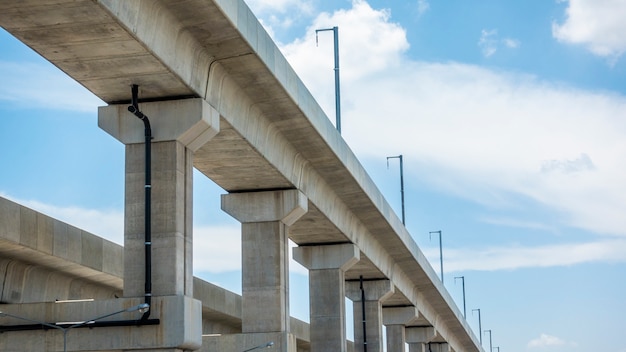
[497, 347]
[401, 183]
[490, 348]
[440, 251]
[480, 327]
[337, 98]
[143, 307]
[463, 282]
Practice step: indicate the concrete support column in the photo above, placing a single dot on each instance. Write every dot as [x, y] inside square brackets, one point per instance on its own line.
[265, 218]
[178, 128]
[395, 320]
[437, 347]
[419, 337]
[375, 293]
[327, 266]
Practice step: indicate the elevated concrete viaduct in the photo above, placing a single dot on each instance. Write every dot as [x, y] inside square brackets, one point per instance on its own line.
[223, 99]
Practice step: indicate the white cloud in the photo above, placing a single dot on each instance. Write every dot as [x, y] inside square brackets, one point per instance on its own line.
[545, 340]
[511, 43]
[368, 45]
[33, 85]
[422, 6]
[513, 257]
[280, 14]
[513, 222]
[216, 248]
[489, 42]
[493, 137]
[597, 24]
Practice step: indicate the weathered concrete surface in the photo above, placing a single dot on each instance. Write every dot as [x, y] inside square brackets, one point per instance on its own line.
[396, 319]
[327, 266]
[192, 122]
[35, 246]
[273, 135]
[265, 218]
[421, 335]
[49, 277]
[180, 128]
[367, 306]
[179, 315]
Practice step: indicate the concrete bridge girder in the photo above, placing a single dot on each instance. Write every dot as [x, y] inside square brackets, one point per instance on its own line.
[217, 51]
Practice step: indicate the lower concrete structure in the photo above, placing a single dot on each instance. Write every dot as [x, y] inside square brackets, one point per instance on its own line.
[40, 280]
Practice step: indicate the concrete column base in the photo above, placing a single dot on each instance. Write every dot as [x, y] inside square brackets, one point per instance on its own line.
[180, 326]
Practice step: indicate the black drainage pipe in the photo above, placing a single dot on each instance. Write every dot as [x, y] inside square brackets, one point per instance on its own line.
[134, 109]
[363, 311]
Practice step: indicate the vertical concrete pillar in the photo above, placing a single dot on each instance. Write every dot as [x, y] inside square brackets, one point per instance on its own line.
[178, 128]
[437, 347]
[419, 337]
[395, 320]
[265, 218]
[375, 293]
[417, 347]
[327, 266]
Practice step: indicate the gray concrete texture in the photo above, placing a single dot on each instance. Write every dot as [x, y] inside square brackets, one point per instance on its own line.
[33, 278]
[272, 133]
[327, 265]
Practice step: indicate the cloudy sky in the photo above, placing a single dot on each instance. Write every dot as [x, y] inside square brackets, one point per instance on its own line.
[510, 116]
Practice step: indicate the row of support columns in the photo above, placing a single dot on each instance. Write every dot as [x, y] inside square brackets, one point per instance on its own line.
[265, 217]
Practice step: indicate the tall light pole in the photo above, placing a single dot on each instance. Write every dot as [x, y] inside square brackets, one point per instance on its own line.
[401, 182]
[480, 327]
[497, 348]
[490, 348]
[337, 98]
[440, 251]
[463, 282]
[142, 308]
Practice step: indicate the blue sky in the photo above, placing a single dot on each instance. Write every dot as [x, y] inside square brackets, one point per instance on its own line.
[510, 115]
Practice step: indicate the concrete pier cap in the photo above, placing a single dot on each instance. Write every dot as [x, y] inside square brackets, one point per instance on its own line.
[400, 315]
[286, 206]
[193, 122]
[421, 334]
[340, 256]
[376, 290]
